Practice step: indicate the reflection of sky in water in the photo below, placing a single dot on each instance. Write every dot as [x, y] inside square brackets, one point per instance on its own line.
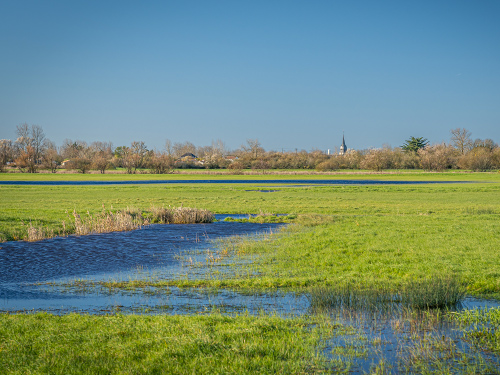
[154, 246]
[152, 252]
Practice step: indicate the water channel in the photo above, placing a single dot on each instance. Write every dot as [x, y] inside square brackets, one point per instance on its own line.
[287, 182]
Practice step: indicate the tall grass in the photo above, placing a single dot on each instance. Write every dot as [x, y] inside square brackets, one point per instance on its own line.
[435, 292]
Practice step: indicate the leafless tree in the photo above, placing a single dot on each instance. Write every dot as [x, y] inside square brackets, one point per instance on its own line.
[219, 147]
[160, 163]
[51, 158]
[180, 149]
[31, 145]
[133, 157]
[437, 157]
[253, 146]
[377, 159]
[168, 147]
[73, 149]
[478, 159]
[102, 154]
[461, 139]
[6, 152]
[26, 161]
[488, 144]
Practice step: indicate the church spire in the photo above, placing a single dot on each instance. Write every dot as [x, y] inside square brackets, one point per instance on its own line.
[343, 147]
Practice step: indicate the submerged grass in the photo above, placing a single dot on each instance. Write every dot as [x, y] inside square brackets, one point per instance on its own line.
[481, 327]
[412, 341]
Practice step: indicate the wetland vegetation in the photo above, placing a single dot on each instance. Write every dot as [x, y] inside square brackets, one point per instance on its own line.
[345, 243]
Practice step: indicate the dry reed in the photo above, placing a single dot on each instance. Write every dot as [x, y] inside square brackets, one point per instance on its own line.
[180, 215]
[118, 221]
[37, 233]
[130, 218]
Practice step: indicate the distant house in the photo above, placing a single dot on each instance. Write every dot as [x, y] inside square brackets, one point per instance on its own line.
[188, 155]
[188, 160]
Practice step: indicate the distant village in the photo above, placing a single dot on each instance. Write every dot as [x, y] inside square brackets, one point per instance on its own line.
[33, 152]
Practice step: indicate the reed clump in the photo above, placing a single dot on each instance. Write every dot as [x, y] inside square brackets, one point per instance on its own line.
[108, 221]
[435, 292]
[180, 215]
[37, 233]
[131, 218]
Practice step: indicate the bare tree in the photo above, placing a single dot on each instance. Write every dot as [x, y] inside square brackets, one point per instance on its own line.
[133, 157]
[253, 146]
[160, 163]
[437, 157]
[26, 161]
[461, 139]
[168, 147]
[6, 152]
[51, 158]
[377, 159]
[183, 148]
[72, 149]
[219, 148]
[102, 154]
[488, 144]
[82, 156]
[31, 145]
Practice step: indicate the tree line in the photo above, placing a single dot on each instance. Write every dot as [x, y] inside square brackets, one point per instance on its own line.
[33, 151]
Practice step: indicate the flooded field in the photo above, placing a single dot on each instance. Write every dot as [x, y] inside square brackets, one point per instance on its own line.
[69, 274]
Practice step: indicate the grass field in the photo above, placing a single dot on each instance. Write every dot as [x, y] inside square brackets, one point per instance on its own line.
[196, 174]
[119, 344]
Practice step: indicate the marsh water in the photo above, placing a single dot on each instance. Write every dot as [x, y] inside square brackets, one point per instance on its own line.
[36, 275]
[62, 275]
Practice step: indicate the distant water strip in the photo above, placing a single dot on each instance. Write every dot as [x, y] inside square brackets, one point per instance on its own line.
[267, 181]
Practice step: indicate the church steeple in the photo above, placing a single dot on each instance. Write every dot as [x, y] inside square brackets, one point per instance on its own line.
[343, 147]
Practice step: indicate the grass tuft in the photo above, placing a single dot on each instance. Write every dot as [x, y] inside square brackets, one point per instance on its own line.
[435, 292]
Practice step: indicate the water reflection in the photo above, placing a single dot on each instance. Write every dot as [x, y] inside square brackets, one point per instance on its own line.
[143, 253]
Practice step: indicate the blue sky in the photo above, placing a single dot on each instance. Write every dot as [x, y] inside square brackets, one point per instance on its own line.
[293, 74]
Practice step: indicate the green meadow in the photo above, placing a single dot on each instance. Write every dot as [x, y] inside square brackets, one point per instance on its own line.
[367, 236]
[135, 344]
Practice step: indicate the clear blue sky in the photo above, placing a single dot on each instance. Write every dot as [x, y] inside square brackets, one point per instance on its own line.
[293, 74]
